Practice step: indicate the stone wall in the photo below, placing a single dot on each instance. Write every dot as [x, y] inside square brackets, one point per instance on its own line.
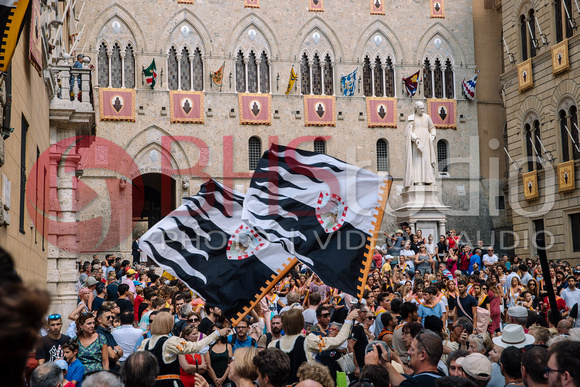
[285, 31]
[542, 101]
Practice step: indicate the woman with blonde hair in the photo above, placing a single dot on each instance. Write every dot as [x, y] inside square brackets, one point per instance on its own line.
[243, 372]
[514, 292]
[166, 349]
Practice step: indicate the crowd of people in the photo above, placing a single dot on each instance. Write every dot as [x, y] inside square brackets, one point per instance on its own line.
[432, 314]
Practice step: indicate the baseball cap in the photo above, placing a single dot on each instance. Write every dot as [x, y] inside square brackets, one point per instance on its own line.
[131, 272]
[476, 365]
[91, 281]
[62, 364]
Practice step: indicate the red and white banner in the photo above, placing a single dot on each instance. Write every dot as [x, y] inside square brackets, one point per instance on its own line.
[381, 112]
[316, 5]
[377, 7]
[255, 109]
[117, 104]
[252, 3]
[443, 113]
[186, 107]
[437, 8]
[320, 110]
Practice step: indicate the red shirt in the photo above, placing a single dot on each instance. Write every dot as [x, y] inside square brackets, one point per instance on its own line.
[560, 303]
[452, 242]
[189, 379]
[378, 260]
[136, 303]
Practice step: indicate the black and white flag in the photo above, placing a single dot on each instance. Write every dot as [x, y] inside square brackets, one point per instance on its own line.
[206, 244]
[327, 213]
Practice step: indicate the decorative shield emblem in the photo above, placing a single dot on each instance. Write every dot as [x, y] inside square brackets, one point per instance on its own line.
[117, 103]
[377, 4]
[437, 6]
[244, 243]
[186, 105]
[382, 111]
[442, 113]
[320, 109]
[330, 211]
[255, 107]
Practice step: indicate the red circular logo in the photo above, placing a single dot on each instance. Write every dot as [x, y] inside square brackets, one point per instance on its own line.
[74, 216]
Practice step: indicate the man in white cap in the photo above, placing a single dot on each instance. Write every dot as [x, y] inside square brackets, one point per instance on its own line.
[518, 315]
[513, 335]
[477, 368]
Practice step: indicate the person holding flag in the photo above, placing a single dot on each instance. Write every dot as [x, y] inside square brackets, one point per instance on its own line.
[151, 74]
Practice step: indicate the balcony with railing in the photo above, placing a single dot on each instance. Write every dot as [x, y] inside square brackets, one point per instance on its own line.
[72, 106]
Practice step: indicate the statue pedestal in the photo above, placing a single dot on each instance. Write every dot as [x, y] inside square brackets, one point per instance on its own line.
[422, 209]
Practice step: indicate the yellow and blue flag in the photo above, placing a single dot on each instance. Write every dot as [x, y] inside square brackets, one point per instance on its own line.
[291, 81]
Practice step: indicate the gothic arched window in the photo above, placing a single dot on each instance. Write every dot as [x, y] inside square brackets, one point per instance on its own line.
[390, 78]
[197, 70]
[427, 79]
[172, 70]
[252, 73]
[116, 68]
[378, 91]
[129, 67]
[316, 75]
[449, 80]
[240, 73]
[305, 74]
[328, 76]
[103, 63]
[367, 78]
[264, 74]
[185, 70]
[438, 79]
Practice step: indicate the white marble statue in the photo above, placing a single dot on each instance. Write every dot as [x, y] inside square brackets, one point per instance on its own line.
[420, 156]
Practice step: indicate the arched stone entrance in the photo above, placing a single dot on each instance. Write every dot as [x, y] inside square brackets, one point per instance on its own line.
[158, 200]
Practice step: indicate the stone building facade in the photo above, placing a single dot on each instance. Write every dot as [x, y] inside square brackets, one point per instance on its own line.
[258, 47]
[542, 124]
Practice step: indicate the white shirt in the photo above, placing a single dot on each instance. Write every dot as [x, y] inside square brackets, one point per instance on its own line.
[410, 262]
[126, 336]
[571, 297]
[490, 258]
[310, 316]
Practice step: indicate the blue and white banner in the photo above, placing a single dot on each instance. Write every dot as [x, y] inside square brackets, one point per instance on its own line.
[349, 84]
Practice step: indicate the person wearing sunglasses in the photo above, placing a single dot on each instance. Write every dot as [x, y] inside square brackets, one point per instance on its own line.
[49, 347]
[104, 323]
[323, 318]
[424, 354]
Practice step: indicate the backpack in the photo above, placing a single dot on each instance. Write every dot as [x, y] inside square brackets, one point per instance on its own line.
[235, 339]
